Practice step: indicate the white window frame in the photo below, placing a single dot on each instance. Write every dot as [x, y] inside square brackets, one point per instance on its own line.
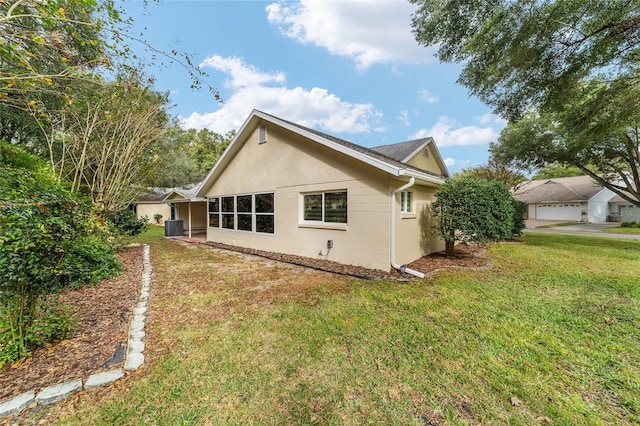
[236, 213]
[407, 202]
[306, 223]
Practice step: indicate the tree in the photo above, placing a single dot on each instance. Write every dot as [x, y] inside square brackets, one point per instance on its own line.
[564, 73]
[188, 155]
[498, 171]
[105, 143]
[557, 170]
[472, 209]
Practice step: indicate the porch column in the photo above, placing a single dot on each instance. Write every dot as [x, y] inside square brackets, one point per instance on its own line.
[189, 219]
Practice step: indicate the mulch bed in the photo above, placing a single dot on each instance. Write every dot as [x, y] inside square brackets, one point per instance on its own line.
[103, 313]
[465, 256]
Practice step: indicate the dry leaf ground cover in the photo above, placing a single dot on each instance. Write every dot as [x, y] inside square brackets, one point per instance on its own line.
[554, 326]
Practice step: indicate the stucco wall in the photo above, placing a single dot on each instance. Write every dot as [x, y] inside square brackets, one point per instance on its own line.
[291, 165]
[425, 163]
[150, 209]
[414, 236]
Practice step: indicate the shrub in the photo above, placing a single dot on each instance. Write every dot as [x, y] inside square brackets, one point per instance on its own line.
[519, 224]
[471, 209]
[157, 217]
[124, 222]
[48, 240]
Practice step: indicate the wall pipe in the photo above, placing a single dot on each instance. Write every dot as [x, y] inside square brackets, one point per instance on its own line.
[401, 268]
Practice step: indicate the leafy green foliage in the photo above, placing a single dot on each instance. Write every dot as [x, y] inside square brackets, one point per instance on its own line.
[496, 170]
[471, 209]
[630, 225]
[563, 72]
[124, 221]
[188, 155]
[557, 170]
[49, 239]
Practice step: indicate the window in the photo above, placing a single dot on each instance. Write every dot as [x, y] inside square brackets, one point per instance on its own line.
[172, 211]
[244, 208]
[214, 212]
[265, 213]
[325, 207]
[249, 213]
[262, 134]
[228, 213]
[406, 201]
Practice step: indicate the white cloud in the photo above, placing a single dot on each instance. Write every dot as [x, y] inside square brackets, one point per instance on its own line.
[488, 118]
[449, 161]
[315, 107]
[427, 96]
[404, 117]
[366, 31]
[242, 75]
[446, 133]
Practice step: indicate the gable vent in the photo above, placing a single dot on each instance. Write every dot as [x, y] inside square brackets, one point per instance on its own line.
[262, 133]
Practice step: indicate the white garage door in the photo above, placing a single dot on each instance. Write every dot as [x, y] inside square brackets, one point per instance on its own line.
[629, 213]
[559, 212]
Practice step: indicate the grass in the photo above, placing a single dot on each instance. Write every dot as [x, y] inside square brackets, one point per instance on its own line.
[556, 225]
[621, 230]
[555, 323]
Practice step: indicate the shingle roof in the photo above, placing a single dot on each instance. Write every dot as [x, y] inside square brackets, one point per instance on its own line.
[577, 188]
[376, 153]
[400, 151]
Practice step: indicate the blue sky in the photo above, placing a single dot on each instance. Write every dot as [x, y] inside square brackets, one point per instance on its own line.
[349, 68]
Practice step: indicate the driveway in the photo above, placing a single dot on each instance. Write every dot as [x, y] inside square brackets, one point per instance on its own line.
[587, 229]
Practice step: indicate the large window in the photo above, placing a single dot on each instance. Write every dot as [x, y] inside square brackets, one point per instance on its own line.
[248, 212]
[325, 207]
[406, 201]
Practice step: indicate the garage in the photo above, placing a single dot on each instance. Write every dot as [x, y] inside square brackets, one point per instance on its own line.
[560, 211]
[629, 213]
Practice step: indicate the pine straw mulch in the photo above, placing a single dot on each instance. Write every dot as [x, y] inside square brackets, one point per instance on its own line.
[104, 312]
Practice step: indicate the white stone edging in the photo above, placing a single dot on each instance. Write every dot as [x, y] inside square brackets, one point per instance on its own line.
[134, 357]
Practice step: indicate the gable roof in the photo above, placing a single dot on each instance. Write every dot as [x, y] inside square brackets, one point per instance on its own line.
[366, 155]
[576, 188]
[402, 151]
[405, 151]
[185, 193]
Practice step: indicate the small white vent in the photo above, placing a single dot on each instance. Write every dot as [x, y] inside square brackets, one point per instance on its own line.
[262, 136]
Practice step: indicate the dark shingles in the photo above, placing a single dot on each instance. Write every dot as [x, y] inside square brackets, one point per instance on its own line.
[400, 151]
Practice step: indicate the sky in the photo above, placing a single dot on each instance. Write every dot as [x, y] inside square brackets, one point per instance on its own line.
[348, 68]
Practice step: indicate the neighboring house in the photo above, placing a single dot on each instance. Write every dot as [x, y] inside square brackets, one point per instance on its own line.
[150, 203]
[621, 210]
[578, 198]
[286, 188]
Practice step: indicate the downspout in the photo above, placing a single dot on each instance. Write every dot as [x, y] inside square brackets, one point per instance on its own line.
[401, 268]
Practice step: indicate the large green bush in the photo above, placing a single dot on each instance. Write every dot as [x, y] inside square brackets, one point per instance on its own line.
[49, 239]
[472, 209]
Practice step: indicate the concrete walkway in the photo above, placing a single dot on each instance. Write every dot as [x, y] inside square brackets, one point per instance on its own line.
[586, 229]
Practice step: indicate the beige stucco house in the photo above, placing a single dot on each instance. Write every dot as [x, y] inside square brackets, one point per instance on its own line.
[286, 188]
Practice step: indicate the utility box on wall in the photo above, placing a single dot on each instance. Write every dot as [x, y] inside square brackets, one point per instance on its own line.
[173, 228]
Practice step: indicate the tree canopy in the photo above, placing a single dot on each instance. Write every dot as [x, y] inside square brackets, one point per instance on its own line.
[496, 170]
[564, 73]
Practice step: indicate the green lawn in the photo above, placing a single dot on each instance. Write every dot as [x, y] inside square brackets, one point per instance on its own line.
[620, 230]
[555, 323]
